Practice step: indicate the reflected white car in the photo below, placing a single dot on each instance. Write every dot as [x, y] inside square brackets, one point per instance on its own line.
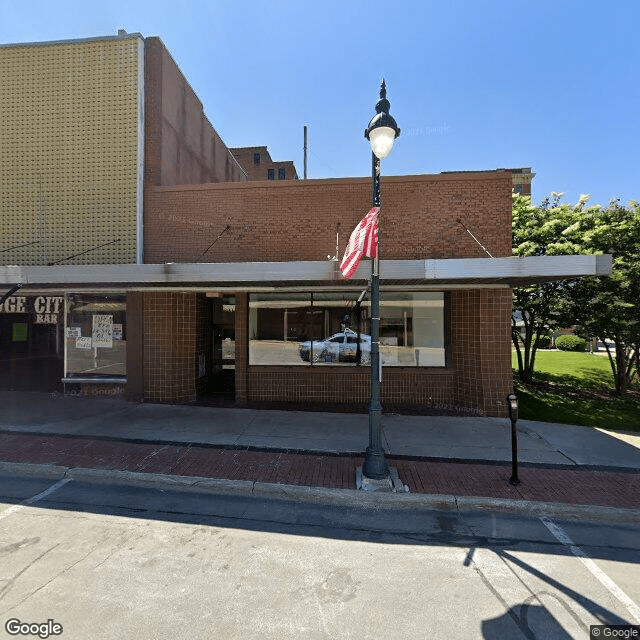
[340, 347]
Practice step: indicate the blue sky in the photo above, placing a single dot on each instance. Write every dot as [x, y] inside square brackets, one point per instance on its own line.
[473, 84]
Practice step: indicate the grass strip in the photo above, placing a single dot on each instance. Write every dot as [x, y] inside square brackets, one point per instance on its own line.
[576, 388]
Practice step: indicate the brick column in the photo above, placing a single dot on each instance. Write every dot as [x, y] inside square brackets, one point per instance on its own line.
[481, 348]
[170, 333]
[135, 347]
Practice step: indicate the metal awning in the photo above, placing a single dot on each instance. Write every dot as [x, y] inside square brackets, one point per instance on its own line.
[468, 272]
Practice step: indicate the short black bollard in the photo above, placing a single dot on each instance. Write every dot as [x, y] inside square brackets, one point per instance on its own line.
[513, 416]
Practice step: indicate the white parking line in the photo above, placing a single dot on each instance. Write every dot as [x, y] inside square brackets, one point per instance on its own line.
[36, 498]
[561, 535]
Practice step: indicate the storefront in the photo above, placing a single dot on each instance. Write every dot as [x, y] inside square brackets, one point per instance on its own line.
[276, 333]
[53, 340]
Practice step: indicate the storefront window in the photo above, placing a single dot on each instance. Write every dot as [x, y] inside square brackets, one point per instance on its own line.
[95, 335]
[341, 330]
[412, 329]
[323, 329]
[277, 324]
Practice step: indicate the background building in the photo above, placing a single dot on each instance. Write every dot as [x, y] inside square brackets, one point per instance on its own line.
[181, 145]
[522, 179]
[72, 151]
[258, 165]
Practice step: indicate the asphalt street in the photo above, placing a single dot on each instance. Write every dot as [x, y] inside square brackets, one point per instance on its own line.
[107, 560]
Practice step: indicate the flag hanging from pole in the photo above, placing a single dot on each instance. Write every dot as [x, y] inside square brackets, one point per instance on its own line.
[363, 242]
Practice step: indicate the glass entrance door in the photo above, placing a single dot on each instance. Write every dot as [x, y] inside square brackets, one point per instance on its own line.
[222, 386]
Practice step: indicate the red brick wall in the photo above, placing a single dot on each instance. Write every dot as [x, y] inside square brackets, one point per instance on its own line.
[181, 146]
[177, 329]
[481, 348]
[351, 386]
[170, 336]
[297, 220]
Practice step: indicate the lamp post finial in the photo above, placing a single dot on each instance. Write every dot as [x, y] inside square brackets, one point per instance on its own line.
[382, 106]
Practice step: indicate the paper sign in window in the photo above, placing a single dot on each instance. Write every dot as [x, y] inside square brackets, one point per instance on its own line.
[102, 333]
[83, 343]
[117, 331]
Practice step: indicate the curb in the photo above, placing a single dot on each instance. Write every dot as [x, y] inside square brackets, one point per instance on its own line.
[32, 470]
[323, 496]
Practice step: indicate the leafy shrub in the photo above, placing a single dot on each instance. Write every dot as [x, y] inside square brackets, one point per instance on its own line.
[570, 342]
[544, 341]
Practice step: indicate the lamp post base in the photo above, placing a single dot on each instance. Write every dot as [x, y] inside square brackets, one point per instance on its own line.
[375, 465]
[390, 484]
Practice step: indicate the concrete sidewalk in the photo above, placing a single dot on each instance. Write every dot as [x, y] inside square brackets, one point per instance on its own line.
[434, 455]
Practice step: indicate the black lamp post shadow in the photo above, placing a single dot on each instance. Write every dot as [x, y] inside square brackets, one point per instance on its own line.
[381, 133]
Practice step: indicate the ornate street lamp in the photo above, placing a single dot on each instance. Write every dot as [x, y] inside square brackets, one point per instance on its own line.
[381, 133]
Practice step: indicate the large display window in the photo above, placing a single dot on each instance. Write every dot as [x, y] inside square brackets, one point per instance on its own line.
[412, 329]
[330, 328]
[277, 325]
[95, 335]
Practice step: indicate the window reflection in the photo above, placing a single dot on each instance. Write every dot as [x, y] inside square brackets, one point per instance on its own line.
[412, 329]
[277, 323]
[319, 329]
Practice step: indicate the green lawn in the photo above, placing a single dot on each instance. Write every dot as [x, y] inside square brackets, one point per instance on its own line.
[575, 388]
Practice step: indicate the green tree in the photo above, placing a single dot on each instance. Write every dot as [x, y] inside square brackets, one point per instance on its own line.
[610, 307]
[538, 231]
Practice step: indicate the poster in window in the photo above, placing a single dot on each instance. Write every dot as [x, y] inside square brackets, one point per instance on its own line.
[83, 343]
[102, 334]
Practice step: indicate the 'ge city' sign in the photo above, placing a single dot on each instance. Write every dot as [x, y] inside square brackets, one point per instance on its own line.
[45, 309]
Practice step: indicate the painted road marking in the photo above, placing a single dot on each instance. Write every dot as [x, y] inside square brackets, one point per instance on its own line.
[561, 535]
[33, 499]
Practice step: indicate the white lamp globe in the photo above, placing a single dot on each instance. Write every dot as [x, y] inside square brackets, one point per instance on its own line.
[382, 139]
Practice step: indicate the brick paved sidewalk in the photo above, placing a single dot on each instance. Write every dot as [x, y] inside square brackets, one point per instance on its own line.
[570, 486]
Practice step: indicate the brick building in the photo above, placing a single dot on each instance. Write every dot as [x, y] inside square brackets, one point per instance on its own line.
[522, 179]
[146, 259]
[258, 165]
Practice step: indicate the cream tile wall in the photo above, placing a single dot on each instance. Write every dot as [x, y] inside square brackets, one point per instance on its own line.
[70, 116]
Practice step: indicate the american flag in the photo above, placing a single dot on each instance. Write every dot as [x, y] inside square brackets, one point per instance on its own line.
[363, 242]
